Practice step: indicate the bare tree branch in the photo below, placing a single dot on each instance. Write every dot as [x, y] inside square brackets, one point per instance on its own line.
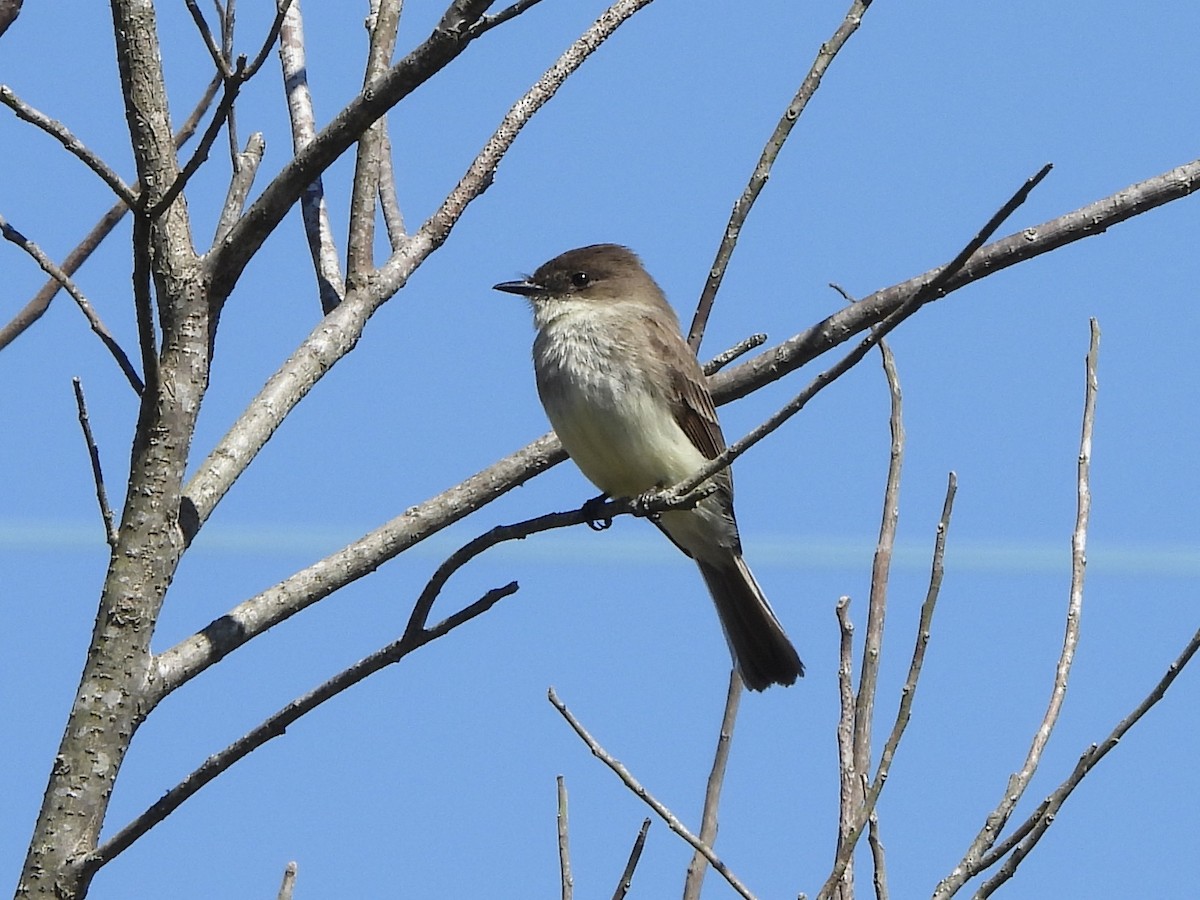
[219, 58]
[931, 290]
[1017, 783]
[227, 17]
[1092, 219]
[196, 653]
[864, 702]
[448, 40]
[762, 170]
[339, 330]
[858, 712]
[218, 472]
[434, 231]
[143, 303]
[278, 723]
[632, 783]
[233, 83]
[634, 855]
[1031, 831]
[245, 168]
[106, 513]
[694, 882]
[849, 790]
[94, 321]
[73, 145]
[288, 887]
[564, 846]
[907, 694]
[331, 286]
[389, 201]
[360, 243]
[34, 309]
[149, 547]
[725, 357]
[510, 12]
[878, 858]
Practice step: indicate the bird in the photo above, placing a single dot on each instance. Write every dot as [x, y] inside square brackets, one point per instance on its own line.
[631, 406]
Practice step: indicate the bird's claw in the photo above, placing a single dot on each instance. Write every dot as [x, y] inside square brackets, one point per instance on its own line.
[642, 502]
[591, 509]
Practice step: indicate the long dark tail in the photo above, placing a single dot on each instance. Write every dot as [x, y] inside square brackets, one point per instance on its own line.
[761, 649]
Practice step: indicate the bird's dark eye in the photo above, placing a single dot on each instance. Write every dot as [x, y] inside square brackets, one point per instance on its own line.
[581, 279]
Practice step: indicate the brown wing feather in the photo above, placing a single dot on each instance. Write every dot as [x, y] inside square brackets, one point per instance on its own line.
[696, 414]
[691, 403]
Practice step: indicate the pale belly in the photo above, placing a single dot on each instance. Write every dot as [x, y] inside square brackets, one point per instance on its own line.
[626, 444]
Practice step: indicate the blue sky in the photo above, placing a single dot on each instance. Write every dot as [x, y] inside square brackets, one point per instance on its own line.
[435, 778]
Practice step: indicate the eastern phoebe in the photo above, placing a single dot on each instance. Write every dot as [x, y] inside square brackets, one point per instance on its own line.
[631, 406]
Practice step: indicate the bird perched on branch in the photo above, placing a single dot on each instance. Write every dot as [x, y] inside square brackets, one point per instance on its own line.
[631, 406]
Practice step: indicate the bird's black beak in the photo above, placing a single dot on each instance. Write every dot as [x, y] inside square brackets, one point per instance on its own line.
[526, 287]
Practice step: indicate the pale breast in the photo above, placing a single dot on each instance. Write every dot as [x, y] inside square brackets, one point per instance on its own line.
[613, 419]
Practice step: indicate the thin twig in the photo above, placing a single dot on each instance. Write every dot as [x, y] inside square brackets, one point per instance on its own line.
[907, 695]
[1018, 782]
[864, 702]
[762, 170]
[106, 513]
[360, 243]
[634, 855]
[448, 39]
[227, 18]
[849, 784]
[724, 358]
[486, 23]
[223, 635]
[878, 858]
[278, 723]
[33, 310]
[234, 453]
[854, 783]
[218, 57]
[242, 73]
[331, 285]
[968, 867]
[646, 797]
[1090, 220]
[288, 886]
[97, 324]
[564, 846]
[245, 168]
[931, 290]
[389, 200]
[199, 155]
[434, 231]
[272, 35]
[1031, 831]
[73, 145]
[589, 513]
[694, 881]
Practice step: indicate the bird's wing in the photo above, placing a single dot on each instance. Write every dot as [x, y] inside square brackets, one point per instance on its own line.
[695, 414]
[687, 389]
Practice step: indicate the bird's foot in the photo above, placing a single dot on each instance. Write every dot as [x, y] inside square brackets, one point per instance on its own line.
[642, 503]
[591, 509]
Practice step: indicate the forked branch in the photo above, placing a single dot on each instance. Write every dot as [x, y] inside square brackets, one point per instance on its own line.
[1019, 781]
